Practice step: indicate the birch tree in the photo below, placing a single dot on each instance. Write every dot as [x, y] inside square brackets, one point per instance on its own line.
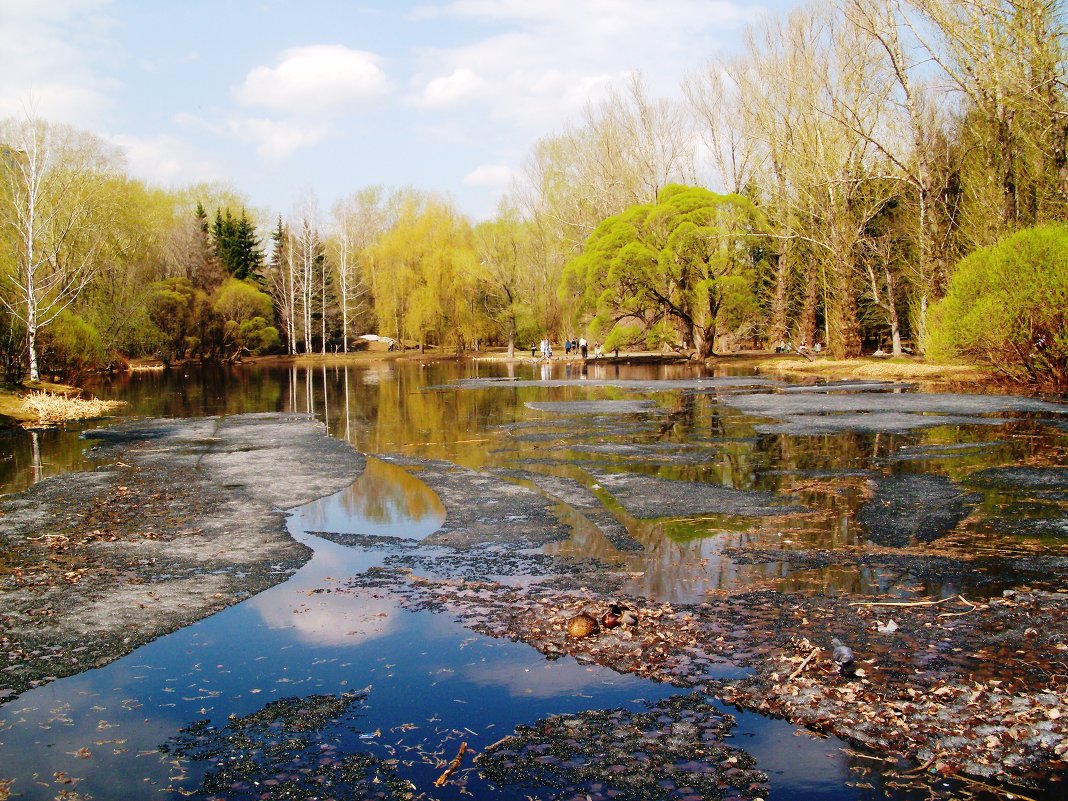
[359, 220]
[54, 209]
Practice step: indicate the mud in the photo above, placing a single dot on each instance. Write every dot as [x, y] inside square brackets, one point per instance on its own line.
[972, 687]
[288, 750]
[184, 519]
[968, 688]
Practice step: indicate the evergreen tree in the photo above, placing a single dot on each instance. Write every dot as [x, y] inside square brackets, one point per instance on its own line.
[237, 247]
[203, 267]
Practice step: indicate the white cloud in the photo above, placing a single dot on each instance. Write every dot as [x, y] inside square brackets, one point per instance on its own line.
[497, 176]
[320, 79]
[166, 160]
[49, 55]
[550, 58]
[446, 91]
[278, 139]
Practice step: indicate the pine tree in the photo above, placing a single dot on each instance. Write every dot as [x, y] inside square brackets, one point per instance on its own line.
[237, 247]
[203, 270]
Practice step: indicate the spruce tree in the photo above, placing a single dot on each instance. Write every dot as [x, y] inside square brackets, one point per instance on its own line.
[237, 247]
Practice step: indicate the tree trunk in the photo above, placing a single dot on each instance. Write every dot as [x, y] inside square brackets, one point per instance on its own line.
[845, 328]
[891, 311]
[810, 302]
[780, 325]
[31, 341]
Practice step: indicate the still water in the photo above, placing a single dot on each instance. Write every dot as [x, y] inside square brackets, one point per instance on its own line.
[426, 683]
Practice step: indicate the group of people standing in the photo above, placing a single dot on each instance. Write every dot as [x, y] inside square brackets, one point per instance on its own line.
[577, 346]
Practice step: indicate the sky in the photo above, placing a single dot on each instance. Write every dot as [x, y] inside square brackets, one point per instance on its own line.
[283, 99]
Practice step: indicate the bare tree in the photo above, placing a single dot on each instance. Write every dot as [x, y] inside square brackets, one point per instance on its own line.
[1008, 59]
[53, 207]
[358, 221]
[917, 158]
[717, 100]
[801, 76]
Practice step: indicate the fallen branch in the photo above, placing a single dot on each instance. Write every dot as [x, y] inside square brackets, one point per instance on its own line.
[803, 663]
[994, 790]
[451, 769]
[859, 755]
[910, 603]
[491, 746]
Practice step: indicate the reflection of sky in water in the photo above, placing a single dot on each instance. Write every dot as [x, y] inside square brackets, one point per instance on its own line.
[422, 667]
[385, 501]
[424, 671]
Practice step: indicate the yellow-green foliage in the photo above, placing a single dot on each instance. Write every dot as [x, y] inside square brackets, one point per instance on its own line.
[680, 267]
[239, 301]
[70, 348]
[1007, 306]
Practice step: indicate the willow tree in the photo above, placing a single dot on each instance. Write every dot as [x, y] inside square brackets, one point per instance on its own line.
[423, 276]
[502, 246]
[621, 152]
[54, 209]
[671, 272]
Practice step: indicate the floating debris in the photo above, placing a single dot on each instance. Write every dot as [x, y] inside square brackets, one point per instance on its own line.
[674, 750]
[966, 686]
[289, 749]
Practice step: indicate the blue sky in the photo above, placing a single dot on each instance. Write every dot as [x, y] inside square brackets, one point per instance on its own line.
[279, 98]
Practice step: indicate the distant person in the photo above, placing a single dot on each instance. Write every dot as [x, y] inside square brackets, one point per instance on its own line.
[583, 346]
[533, 350]
[567, 348]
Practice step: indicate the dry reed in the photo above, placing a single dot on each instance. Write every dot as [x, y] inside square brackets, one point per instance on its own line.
[51, 408]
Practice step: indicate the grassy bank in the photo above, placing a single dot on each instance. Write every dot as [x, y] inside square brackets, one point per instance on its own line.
[906, 368]
[884, 369]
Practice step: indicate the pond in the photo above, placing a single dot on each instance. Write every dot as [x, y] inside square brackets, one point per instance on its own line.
[613, 448]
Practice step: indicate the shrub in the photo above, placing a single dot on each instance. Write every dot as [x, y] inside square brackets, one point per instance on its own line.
[1007, 307]
[71, 348]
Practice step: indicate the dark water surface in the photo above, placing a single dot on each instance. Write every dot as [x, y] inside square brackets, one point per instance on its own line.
[427, 683]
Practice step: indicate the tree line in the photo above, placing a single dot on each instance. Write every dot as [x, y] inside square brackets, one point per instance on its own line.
[859, 151]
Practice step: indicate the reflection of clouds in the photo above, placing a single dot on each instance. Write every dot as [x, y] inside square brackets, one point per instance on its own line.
[339, 617]
[812, 764]
[546, 680]
[57, 720]
[335, 618]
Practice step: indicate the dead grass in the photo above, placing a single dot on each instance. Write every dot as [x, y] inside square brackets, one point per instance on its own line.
[902, 369]
[46, 408]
